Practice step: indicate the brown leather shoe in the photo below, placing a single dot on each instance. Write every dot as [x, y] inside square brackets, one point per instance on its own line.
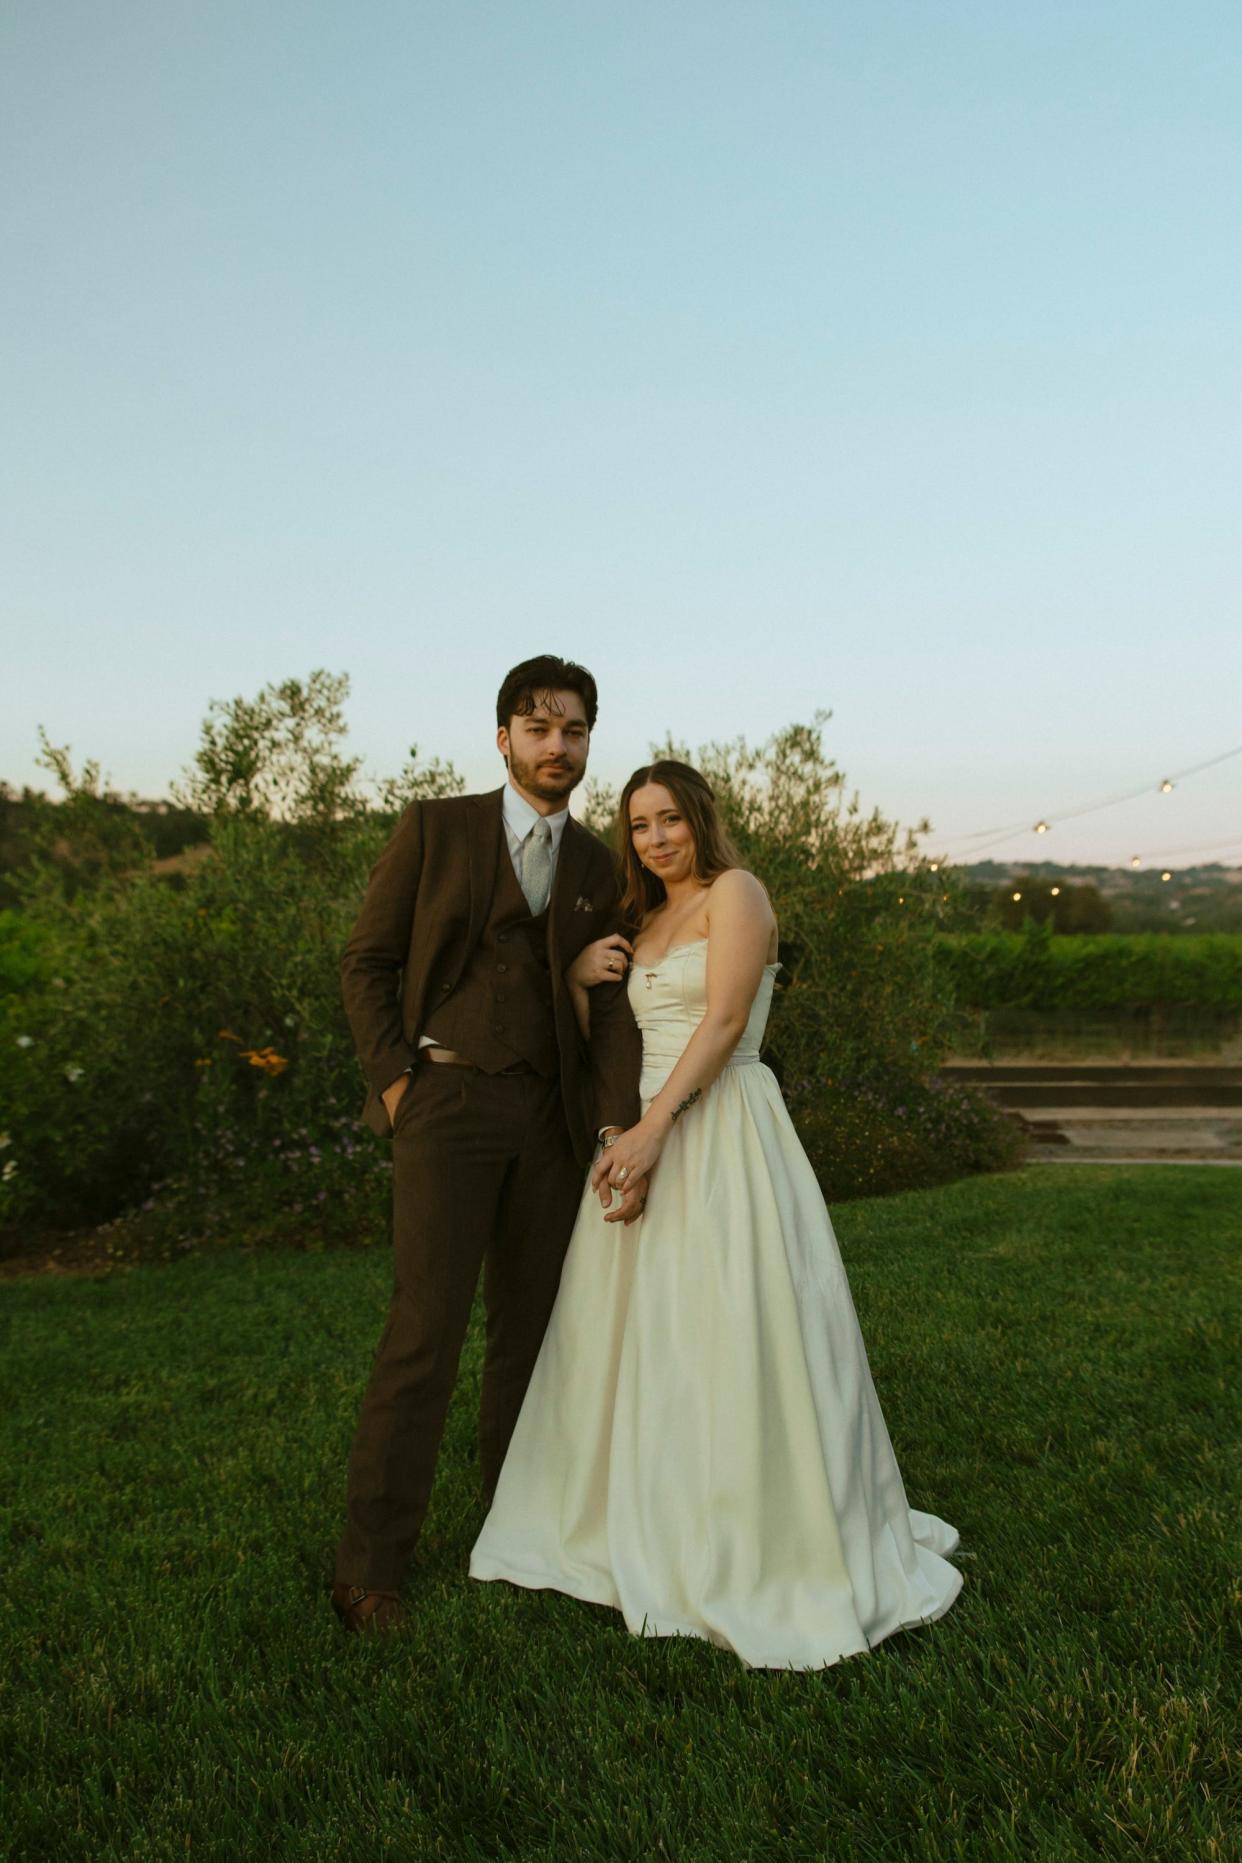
[360, 1610]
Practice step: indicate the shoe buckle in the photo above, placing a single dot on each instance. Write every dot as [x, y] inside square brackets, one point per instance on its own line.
[357, 1593]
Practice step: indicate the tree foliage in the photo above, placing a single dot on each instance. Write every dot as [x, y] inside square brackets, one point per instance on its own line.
[188, 1042]
[866, 1015]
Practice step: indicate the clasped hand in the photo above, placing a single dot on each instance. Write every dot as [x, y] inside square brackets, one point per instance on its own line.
[625, 1168]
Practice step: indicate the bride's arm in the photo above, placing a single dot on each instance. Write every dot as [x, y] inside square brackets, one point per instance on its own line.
[739, 927]
[605, 961]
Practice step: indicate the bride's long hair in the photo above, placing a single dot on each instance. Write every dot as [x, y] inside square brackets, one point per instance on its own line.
[641, 890]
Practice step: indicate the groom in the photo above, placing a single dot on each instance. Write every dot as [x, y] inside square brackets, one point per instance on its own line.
[454, 984]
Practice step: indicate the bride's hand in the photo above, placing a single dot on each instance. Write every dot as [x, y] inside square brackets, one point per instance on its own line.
[632, 1203]
[605, 961]
[633, 1156]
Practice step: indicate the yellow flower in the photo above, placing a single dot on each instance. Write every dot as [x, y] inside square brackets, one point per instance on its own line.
[265, 1058]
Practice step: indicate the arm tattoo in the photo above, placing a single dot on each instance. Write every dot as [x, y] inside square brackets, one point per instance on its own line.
[677, 1111]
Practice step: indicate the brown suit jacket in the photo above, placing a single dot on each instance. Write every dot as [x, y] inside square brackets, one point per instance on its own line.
[425, 905]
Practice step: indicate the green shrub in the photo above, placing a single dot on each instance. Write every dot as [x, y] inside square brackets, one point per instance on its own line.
[186, 1029]
[1107, 971]
[190, 1041]
[877, 1136]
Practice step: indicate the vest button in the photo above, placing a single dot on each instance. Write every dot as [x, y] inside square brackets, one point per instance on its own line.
[445, 989]
[502, 937]
[498, 1028]
[500, 996]
[502, 967]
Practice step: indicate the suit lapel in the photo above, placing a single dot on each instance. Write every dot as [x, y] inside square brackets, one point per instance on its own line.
[483, 837]
[571, 865]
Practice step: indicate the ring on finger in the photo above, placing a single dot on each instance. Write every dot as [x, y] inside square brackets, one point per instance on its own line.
[623, 1173]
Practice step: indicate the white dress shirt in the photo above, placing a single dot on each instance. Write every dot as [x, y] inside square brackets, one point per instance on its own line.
[520, 818]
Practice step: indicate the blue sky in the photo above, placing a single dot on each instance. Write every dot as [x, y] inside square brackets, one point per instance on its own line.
[765, 357]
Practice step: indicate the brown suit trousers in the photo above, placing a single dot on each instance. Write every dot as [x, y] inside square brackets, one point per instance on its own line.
[484, 1175]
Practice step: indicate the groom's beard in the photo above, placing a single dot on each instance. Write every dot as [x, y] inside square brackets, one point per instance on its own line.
[550, 781]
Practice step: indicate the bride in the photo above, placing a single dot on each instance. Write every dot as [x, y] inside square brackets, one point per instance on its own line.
[701, 1445]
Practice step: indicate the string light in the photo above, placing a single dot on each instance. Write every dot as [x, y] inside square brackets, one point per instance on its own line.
[984, 838]
[1231, 845]
[1056, 891]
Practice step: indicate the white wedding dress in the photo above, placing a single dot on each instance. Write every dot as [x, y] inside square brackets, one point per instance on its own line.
[701, 1446]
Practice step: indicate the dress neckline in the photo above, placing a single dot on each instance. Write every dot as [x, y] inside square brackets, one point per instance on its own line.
[672, 951]
[772, 963]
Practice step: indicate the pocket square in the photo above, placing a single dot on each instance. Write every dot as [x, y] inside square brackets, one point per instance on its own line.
[582, 904]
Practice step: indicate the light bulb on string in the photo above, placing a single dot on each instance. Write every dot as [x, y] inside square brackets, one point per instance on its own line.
[1056, 891]
[1136, 860]
[983, 839]
[1166, 875]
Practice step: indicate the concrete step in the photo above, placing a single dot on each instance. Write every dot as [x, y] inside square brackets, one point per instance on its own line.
[1020, 1094]
[1131, 1085]
[1162, 1073]
[1144, 1132]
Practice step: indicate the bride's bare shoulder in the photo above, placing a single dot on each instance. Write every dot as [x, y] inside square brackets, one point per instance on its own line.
[738, 897]
[739, 909]
[736, 886]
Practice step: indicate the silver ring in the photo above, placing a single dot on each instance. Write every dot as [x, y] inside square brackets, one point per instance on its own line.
[623, 1173]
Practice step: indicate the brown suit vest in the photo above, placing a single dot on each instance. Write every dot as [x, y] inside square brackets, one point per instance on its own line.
[501, 1011]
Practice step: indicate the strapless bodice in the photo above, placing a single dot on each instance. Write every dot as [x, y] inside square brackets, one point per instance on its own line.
[669, 1000]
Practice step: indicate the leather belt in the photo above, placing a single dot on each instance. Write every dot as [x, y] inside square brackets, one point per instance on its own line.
[446, 1057]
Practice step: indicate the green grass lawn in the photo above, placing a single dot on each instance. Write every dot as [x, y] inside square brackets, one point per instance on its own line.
[1051, 1350]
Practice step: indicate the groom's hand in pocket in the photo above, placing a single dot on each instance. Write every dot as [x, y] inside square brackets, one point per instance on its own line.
[393, 1094]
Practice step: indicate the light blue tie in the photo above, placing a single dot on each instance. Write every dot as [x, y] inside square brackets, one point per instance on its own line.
[537, 866]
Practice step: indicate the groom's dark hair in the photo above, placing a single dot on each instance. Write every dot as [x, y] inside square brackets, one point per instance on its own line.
[524, 686]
